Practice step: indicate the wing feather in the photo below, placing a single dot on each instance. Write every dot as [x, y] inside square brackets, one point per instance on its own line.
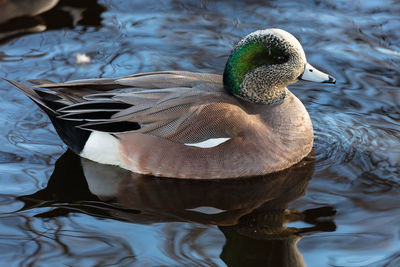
[156, 103]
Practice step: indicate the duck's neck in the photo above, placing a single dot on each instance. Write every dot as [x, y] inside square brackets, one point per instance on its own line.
[288, 111]
[261, 101]
[253, 90]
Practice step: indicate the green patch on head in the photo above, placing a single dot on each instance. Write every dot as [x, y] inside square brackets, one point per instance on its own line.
[249, 56]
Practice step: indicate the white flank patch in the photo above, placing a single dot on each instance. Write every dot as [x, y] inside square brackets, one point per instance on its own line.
[207, 210]
[213, 142]
[103, 148]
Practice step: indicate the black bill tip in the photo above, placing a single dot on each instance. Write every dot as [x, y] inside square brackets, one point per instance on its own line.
[330, 80]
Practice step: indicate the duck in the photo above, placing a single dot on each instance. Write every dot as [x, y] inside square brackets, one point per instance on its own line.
[19, 8]
[181, 124]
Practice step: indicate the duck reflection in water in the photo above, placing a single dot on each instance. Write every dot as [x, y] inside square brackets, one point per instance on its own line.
[251, 213]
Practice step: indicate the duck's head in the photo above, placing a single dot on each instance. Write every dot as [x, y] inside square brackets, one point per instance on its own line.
[266, 61]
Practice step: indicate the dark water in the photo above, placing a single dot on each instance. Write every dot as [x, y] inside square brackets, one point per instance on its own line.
[339, 207]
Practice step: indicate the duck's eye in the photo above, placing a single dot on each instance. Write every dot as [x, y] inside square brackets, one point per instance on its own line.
[281, 59]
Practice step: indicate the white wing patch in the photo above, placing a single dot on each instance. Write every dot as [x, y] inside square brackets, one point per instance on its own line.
[213, 142]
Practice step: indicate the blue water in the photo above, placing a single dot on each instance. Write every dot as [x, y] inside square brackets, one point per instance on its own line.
[339, 207]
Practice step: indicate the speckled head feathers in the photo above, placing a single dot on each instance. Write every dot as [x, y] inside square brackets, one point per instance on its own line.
[262, 64]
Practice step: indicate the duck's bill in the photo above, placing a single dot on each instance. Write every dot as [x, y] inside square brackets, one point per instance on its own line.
[313, 75]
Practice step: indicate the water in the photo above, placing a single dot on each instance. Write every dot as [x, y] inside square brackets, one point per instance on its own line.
[339, 207]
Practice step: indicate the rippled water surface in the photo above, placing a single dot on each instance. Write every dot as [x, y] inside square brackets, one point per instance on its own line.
[339, 207]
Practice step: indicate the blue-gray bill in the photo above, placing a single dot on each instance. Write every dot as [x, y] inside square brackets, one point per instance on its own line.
[314, 75]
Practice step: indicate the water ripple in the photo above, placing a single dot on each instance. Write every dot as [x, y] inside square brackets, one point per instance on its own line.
[336, 142]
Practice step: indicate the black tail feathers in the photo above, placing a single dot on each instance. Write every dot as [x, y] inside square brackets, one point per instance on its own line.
[74, 137]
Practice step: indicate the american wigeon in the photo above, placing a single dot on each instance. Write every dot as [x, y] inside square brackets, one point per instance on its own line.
[192, 125]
